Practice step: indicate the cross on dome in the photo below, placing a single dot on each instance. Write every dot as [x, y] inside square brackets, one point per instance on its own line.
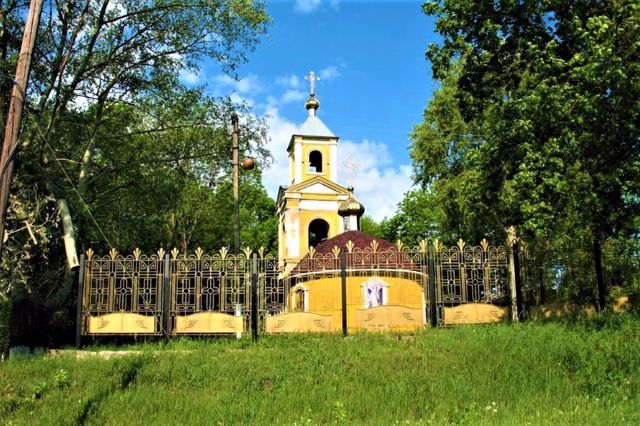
[312, 78]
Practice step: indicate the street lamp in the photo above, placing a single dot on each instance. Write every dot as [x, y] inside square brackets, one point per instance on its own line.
[248, 163]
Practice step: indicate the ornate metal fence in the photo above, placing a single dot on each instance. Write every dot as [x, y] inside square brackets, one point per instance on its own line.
[123, 294]
[356, 287]
[472, 282]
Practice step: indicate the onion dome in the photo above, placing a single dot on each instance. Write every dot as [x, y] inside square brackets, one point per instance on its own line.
[350, 206]
[312, 104]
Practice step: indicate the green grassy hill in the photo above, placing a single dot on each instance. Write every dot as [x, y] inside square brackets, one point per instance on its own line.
[554, 373]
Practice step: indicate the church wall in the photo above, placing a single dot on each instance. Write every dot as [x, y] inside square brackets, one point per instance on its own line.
[324, 296]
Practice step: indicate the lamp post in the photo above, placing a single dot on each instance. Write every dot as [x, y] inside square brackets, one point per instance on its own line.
[247, 163]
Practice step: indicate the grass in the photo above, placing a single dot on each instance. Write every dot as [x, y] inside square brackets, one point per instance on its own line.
[553, 373]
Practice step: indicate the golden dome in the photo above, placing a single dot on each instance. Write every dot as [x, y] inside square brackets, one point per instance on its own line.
[350, 206]
[312, 102]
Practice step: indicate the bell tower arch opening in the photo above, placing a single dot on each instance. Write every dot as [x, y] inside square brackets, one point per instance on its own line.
[315, 162]
[318, 232]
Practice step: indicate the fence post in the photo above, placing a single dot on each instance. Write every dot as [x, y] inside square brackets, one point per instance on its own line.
[80, 302]
[166, 296]
[433, 314]
[516, 286]
[254, 297]
[343, 281]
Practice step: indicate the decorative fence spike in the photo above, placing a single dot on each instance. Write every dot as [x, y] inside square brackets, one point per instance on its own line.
[90, 253]
[136, 253]
[247, 252]
[336, 251]
[374, 246]
[199, 253]
[424, 245]
[161, 253]
[399, 245]
[312, 252]
[113, 253]
[223, 252]
[484, 244]
[350, 246]
[261, 252]
[461, 244]
[174, 253]
[437, 245]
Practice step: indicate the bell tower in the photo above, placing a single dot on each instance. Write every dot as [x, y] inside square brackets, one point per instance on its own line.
[308, 208]
[313, 149]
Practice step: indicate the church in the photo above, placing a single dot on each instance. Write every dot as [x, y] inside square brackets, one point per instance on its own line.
[328, 276]
[313, 207]
[318, 219]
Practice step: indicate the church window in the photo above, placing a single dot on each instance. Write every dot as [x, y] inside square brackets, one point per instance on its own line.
[300, 299]
[318, 232]
[315, 162]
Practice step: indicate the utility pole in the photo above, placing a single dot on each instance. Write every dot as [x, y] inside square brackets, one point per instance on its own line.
[236, 184]
[14, 115]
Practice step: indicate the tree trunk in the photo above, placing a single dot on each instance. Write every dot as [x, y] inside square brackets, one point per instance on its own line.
[597, 261]
[68, 234]
[83, 177]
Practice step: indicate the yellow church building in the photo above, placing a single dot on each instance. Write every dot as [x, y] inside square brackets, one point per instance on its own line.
[318, 218]
[313, 207]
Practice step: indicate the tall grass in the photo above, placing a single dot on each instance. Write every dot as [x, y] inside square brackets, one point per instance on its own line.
[561, 373]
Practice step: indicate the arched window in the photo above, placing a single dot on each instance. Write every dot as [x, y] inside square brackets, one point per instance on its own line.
[315, 162]
[318, 232]
[299, 299]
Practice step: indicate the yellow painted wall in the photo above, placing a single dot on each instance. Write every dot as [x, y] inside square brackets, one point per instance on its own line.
[325, 296]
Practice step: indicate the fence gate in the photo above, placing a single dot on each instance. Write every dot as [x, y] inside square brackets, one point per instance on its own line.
[122, 295]
[472, 283]
[208, 294]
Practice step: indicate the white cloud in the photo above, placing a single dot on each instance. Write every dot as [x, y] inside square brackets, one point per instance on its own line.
[291, 81]
[190, 77]
[306, 6]
[280, 131]
[292, 96]
[379, 183]
[329, 73]
[246, 85]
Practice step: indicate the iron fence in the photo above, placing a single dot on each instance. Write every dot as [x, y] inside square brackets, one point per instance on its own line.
[348, 287]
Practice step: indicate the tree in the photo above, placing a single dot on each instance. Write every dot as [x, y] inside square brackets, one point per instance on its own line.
[111, 135]
[546, 95]
[369, 226]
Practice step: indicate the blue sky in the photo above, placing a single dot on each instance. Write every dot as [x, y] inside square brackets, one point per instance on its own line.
[375, 83]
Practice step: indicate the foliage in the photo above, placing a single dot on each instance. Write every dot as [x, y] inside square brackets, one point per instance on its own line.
[417, 218]
[536, 122]
[111, 130]
[369, 226]
[562, 373]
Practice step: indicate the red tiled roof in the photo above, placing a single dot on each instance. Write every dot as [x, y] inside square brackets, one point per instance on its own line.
[362, 256]
[359, 240]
